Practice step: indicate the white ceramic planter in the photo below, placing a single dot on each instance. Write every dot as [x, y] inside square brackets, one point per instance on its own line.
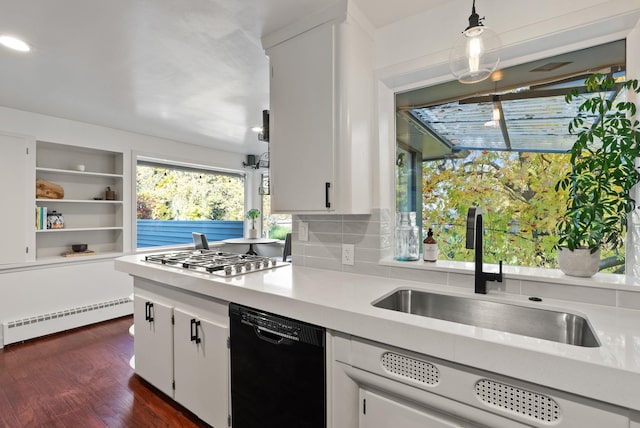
[253, 233]
[579, 262]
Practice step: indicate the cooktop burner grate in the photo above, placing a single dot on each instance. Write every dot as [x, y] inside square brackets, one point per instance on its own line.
[215, 262]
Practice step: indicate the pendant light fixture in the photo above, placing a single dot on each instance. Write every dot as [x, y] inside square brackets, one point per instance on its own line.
[476, 53]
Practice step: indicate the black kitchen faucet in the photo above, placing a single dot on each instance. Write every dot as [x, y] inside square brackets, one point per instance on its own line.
[474, 240]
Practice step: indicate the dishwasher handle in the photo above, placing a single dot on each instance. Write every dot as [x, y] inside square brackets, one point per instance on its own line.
[273, 337]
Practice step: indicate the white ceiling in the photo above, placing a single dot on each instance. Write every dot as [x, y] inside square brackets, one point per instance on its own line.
[189, 70]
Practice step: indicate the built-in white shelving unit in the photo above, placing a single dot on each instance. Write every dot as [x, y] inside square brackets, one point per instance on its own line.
[85, 174]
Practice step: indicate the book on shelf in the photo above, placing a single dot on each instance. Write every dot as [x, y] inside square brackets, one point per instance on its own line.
[41, 218]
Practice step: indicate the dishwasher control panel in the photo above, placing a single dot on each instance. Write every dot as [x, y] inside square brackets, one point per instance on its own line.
[278, 325]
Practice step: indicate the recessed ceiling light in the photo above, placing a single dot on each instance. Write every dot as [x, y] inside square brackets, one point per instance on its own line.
[14, 43]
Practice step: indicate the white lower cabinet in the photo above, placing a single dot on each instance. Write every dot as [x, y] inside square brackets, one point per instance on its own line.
[180, 347]
[201, 371]
[383, 412]
[153, 342]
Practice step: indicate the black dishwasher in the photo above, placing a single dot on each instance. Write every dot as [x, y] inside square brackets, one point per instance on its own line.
[277, 371]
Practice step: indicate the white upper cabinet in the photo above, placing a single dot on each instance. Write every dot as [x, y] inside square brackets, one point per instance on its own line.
[321, 116]
[17, 165]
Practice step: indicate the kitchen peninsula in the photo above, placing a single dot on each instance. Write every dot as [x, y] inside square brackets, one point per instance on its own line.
[587, 384]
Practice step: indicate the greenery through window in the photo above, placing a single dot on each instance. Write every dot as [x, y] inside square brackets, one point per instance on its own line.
[516, 190]
[174, 201]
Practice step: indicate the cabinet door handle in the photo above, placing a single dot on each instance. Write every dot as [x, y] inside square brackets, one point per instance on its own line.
[194, 331]
[148, 311]
[327, 186]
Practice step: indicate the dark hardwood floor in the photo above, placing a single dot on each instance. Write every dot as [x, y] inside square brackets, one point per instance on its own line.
[82, 378]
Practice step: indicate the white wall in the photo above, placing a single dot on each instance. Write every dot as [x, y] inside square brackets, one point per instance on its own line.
[26, 292]
[415, 51]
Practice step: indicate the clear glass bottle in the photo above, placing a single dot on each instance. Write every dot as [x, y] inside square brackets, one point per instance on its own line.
[407, 237]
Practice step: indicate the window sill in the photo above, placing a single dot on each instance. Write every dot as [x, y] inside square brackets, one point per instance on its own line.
[599, 280]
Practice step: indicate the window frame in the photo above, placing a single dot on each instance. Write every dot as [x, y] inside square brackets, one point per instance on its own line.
[438, 80]
[166, 162]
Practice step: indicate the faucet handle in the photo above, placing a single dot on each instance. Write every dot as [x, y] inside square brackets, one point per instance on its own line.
[472, 223]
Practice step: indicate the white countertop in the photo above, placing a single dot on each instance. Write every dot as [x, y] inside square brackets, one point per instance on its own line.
[342, 302]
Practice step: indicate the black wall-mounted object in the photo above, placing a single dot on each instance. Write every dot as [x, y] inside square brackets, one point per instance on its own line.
[264, 136]
[251, 162]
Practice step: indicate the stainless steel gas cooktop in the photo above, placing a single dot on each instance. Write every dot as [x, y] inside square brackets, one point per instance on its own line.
[215, 262]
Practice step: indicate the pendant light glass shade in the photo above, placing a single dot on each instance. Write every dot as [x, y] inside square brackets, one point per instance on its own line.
[476, 53]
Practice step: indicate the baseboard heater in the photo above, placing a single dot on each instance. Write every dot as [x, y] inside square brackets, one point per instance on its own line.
[40, 325]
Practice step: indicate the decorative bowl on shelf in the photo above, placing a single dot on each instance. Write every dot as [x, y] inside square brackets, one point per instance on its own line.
[79, 248]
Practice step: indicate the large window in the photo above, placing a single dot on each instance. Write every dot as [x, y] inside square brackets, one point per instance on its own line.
[174, 201]
[501, 145]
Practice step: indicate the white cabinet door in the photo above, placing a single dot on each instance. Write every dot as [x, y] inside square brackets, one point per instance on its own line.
[302, 122]
[18, 215]
[153, 343]
[382, 412]
[202, 367]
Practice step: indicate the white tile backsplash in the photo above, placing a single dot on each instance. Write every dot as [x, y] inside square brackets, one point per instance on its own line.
[361, 241]
[370, 255]
[323, 238]
[327, 233]
[329, 251]
[372, 236]
[322, 263]
[323, 226]
[460, 280]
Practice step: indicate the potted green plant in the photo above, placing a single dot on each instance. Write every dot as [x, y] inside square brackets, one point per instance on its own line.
[253, 215]
[602, 175]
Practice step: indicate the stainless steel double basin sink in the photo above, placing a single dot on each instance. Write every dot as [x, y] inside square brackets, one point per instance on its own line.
[544, 324]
